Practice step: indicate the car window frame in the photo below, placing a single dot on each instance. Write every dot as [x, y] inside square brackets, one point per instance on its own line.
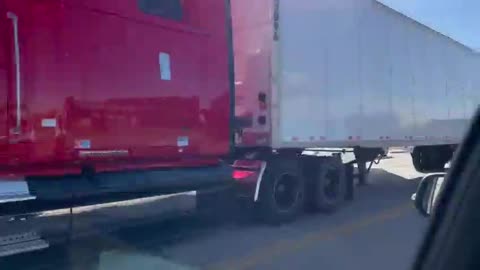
[448, 241]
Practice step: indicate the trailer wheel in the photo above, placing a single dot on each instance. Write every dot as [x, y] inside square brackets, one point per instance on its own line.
[421, 160]
[417, 161]
[282, 194]
[330, 185]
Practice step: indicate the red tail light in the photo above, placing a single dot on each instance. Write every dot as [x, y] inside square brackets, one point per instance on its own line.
[240, 174]
[247, 170]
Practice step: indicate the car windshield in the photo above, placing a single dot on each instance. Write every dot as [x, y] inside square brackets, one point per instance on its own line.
[228, 134]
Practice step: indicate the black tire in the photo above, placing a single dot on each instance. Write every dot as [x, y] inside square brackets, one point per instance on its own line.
[423, 160]
[330, 186]
[417, 160]
[282, 194]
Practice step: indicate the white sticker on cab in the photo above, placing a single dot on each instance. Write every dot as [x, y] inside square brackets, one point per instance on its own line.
[83, 144]
[49, 123]
[182, 141]
[165, 66]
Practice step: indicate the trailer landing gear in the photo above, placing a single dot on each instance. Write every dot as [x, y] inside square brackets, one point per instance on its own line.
[362, 157]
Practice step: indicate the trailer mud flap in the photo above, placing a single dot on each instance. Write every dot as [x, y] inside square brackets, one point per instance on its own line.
[248, 175]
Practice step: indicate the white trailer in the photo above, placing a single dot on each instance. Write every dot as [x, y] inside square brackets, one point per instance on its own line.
[348, 74]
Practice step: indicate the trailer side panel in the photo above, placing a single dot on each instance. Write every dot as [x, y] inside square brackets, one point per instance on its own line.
[356, 73]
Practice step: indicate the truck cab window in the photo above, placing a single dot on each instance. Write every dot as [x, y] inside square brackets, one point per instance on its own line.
[169, 9]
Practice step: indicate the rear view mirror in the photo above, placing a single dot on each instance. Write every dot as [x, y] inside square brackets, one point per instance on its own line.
[427, 193]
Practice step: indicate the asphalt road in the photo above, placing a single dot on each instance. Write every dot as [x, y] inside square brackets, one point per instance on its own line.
[379, 230]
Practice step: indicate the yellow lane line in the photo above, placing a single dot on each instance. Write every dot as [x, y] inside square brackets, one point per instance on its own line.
[284, 247]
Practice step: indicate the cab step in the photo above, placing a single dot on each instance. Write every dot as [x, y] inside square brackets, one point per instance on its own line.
[9, 198]
[21, 243]
[14, 191]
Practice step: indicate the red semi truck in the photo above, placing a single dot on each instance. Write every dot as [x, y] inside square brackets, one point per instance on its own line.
[117, 99]
[109, 100]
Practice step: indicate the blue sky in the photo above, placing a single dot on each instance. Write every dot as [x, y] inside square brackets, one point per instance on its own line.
[459, 19]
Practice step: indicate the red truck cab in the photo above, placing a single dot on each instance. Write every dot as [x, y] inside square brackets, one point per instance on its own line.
[113, 97]
[109, 100]
[112, 85]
